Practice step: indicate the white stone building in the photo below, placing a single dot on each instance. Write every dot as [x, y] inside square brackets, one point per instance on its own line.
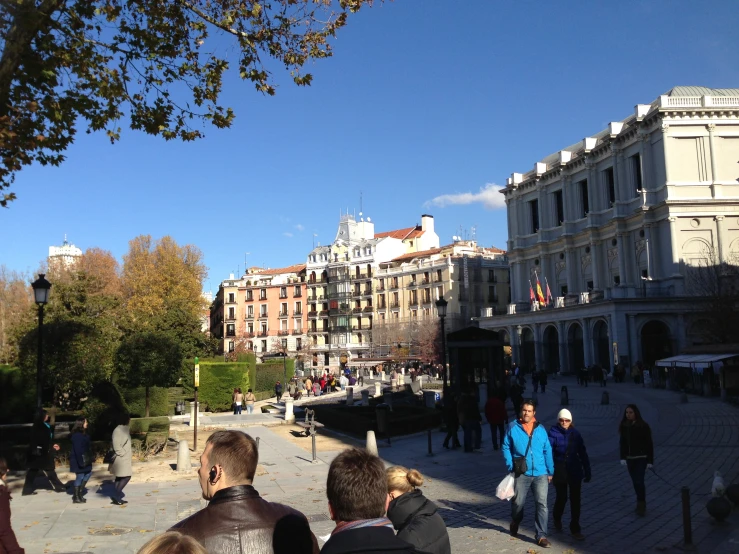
[64, 256]
[613, 224]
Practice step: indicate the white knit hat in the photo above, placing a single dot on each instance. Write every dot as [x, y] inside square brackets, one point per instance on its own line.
[564, 414]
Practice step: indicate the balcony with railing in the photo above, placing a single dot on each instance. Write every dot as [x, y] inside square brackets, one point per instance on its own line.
[356, 310]
[283, 333]
[413, 303]
[283, 313]
[368, 309]
[367, 291]
[394, 305]
[312, 314]
[340, 329]
[297, 294]
[231, 317]
[359, 277]
[393, 285]
[297, 331]
[297, 313]
[380, 288]
[230, 333]
[382, 306]
[323, 313]
[249, 335]
[250, 316]
[263, 334]
[263, 315]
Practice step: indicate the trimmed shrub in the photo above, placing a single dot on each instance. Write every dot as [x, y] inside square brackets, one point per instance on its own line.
[102, 408]
[268, 374]
[142, 425]
[136, 401]
[217, 383]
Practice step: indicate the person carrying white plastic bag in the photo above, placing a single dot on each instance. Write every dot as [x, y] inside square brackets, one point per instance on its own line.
[506, 488]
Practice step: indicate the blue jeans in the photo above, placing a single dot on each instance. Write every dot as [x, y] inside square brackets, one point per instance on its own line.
[637, 468]
[81, 477]
[237, 409]
[249, 408]
[540, 487]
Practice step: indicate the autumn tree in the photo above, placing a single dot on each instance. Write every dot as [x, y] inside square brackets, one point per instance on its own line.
[70, 64]
[162, 285]
[148, 359]
[16, 300]
[81, 328]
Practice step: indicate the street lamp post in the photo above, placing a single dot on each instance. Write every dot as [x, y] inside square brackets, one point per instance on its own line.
[41, 289]
[441, 305]
[519, 331]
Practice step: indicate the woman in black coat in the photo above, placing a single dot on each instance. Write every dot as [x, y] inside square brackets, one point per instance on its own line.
[415, 517]
[637, 452]
[80, 459]
[41, 455]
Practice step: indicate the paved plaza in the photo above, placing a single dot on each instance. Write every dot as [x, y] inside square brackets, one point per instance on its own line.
[691, 442]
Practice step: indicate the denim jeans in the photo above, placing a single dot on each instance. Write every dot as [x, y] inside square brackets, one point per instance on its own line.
[637, 468]
[540, 487]
[81, 477]
[237, 409]
[249, 408]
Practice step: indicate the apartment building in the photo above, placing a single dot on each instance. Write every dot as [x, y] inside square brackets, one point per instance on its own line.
[262, 311]
[617, 225]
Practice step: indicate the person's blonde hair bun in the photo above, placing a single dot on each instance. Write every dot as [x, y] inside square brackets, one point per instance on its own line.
[414, 478]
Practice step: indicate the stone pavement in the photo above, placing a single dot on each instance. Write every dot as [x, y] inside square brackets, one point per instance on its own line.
[692, 441]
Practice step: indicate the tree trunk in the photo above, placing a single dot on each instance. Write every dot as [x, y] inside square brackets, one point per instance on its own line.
[147, 401]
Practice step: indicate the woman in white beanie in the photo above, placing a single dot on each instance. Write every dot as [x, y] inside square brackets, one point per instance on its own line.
[571, 468]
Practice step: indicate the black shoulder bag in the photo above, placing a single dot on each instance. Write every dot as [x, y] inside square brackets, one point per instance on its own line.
[560, 467]
[519, 464]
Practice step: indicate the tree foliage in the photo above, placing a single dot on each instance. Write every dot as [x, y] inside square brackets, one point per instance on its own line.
[71, 63]
[148, 359]
[15, 301]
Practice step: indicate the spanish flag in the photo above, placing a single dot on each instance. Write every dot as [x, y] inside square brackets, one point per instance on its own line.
[540, 293]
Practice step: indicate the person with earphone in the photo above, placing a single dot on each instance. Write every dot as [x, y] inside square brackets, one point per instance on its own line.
[237, 519]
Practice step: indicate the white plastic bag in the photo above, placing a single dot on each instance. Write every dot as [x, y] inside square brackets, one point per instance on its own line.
[506, 490]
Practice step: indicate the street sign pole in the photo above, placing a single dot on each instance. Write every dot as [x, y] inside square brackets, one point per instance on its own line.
[196, 376]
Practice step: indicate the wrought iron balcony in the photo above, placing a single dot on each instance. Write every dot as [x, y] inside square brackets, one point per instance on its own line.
[263, 333]
[263, 315]
[368, 309]
[283, 332]
[250, 316]
[394, 305]
[297, 331]
[297, 294]
[313, 313]
[283, 314]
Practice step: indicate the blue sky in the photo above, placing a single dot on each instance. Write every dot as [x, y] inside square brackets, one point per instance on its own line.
[425, 107]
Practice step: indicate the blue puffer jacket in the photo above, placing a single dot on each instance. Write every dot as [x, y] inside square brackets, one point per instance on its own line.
[539, 459]
[80, 444]
[578, 463]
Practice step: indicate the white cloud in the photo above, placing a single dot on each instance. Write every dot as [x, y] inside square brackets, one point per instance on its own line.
[288, 235]
[489, 196]
[300, 227]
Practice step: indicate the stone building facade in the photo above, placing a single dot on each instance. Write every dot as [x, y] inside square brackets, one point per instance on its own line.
[616, 226]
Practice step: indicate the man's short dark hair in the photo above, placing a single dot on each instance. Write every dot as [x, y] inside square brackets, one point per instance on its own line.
[529, 402]
[356, 486]
[236, 452]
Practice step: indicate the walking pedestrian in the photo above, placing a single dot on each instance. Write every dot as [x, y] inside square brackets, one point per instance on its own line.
[41, 454]
[470, 418]
[535, 381]
[8, 542]
[121, 467]
[604, 377]
[637, 452]
[309, 386]
[528, 455]
[451, 418]
[415, 518]
[80, 459]
[497, 416]
[571, 469]
[543, 381]
[278, 391]
[249, 399]
[238, 399]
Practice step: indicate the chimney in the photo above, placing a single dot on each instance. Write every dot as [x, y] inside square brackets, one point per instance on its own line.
[427, 223]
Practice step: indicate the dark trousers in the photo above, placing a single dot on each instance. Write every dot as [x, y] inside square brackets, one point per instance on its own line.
[120, 484]
[543, 387]
[56, 484]
[637, 468]
[497, 429]
[575, 488]
[451, 433]
[472, 431]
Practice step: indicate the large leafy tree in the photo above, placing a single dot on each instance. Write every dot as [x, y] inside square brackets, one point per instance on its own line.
[15, 302]
[89, 63]
[149, 359]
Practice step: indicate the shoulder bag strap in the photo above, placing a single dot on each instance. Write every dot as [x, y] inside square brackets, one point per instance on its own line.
[531, 436]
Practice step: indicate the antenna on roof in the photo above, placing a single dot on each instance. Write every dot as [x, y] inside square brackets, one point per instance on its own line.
[474, 232]
[361, 206]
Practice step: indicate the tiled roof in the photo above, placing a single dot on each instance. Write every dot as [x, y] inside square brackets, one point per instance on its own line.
[414, 255]
[495, 249]
[402, 234]
[297, 268]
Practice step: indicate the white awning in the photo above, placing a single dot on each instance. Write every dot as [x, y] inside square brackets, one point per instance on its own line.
[695, 361]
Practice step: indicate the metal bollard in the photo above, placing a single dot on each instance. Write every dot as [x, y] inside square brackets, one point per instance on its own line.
[313, 439]
[687, 526]
[604, 398]
[564, 397]
[431, 451]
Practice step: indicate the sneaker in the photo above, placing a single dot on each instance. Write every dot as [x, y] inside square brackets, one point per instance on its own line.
[578, 536]
[514, 529]
[543, 542]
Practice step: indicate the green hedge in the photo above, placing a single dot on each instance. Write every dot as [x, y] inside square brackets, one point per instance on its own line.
[142, 425]
[136, 401]
[268, 374]
[102, 409]
[17, 399]
[217, 383]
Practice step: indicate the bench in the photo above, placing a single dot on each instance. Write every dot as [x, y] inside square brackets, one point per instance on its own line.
[310, 424]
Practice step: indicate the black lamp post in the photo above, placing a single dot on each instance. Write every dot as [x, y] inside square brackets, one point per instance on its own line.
[441, 305]
[41, 289]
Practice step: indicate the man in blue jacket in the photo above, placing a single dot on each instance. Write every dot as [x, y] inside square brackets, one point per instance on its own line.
[527, 440]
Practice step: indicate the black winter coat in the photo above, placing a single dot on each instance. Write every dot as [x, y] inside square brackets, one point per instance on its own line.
[80, 445]
[367, 540]
[40, 455]
[417, 522]
[636, 441]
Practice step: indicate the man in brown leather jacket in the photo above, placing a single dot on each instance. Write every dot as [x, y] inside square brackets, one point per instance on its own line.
[237, 520]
